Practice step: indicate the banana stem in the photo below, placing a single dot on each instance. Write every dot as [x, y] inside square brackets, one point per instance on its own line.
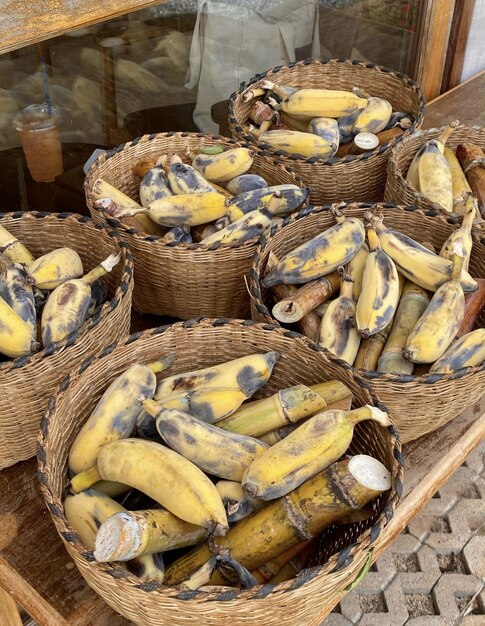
[368, 412]
[86, 479]
[448, 131]
[102, 269]
[292, 308]
[162, 364]
[270, 569]
[371, 349]
[474, 304]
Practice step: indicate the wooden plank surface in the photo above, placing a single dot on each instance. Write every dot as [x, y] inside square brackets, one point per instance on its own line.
[49, 18]
[457, 45]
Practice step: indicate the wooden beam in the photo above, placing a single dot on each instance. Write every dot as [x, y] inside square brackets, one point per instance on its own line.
[23, 24]
[9, 613]
[455, 58]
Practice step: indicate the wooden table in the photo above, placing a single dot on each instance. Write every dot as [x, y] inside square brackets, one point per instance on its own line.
[36, 569]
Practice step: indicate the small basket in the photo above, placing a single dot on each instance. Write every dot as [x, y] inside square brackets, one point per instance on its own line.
[420, 404]
[181, 280]
[344, 550]
[27, 383]
[398, 189]
[353, 177]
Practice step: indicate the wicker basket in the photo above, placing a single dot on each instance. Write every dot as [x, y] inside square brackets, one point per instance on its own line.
[181, 280]
[354, 177]
[27, 383]
[398, 189]
[420, 404]
[344, 550]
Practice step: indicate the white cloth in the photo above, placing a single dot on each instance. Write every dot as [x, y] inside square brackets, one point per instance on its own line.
[235, 39]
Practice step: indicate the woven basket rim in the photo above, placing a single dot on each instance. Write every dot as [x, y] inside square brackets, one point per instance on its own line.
[398, 173]
[255, 287]
[335, 563]
[350, 158]
[157, 239]
[101, 312]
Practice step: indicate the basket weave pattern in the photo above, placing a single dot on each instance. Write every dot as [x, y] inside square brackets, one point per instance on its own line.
[27, 383]
[419, 404]
[181, 280]
[398, 189]
[344, 550]
[353, 177]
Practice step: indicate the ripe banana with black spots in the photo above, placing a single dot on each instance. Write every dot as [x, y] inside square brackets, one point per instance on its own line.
[18, 295]
[467, 351]
[355, 269]
[186, 179]
[223, 167]
[154, 186]
[245, 183]
[414, 261]
[326, 128]
[179, 234]
[209, 404]
[238, 504]
[66, 308]
[16, 338]
[463, 235]
[249, 226]
[295, 142]
[292, 198]
[161, 474]
[310, 103]
[197, 441]
[346, 127]
[248, 373]
[374, 117]
[321, 255]
[87, 511]
[115, 414]
[379, 297]
[54, 268]
[308, 450]
[338, 331]
[13, 248]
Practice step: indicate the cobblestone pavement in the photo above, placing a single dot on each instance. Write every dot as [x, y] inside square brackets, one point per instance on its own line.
[433, 574]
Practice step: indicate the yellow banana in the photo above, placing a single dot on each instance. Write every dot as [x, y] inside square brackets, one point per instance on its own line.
[435, 177]
[461, 188]
[327, 129]
[292, 198]
[463, 235]
[379, 297]
[321, 255]
[414, 301]
[249, 226]
[86, 511]
[163, 475]
[438, 325]
[209, 404]
[308, 450]
[15, 335]
[247, 373]
[338, 331]
[223, 167]
[238, 504]
[216, 451]
[296, 142]
[374, 117]
[18, 295]
[310, 103]
[115, 414]
[414, 261]
[355, 269]
[13, 249]
[467, 351]
[186, 179]
[66, 308]
[126, 535]
[54, 268]
[154, 186]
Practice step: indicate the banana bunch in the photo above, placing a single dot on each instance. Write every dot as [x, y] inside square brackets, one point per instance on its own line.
[296, 142]
[257, 199]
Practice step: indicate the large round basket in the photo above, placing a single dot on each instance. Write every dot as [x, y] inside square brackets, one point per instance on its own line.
[28, 382]
[344, 550]
[353, 177]
[398, 189]
[181, 280]
[420, 404]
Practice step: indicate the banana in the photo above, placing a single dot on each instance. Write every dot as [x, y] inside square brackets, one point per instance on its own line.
[346, 127]
[18, 295]
[66, 308]
[467, 351]
[338, 332]
[312, 103]
[412, 175]
[321, 255]
[374, 117]
[247, 373]
[292, 123]
[435, 177]
[179, 234]
[355, 269]
[223, 167]
[308, 450]
[238, 504]
[459, 182]
[13, 249]
[414, 261]
[209, 404]
[15, 335]
[296, 142]
[414, 301]
[86, 511]
[54, 268]
[438, 325]
[154, 186]
[249, 226]
[218, 452]
[400, 119]
[126, 535]
[326, 128]
[186, 179]
[115, 414]
[293, 197]
[163, 475]
[379, 297]
[463, 235]
[245, 183]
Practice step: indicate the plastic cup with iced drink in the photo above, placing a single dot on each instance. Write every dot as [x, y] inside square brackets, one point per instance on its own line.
[41, 140]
